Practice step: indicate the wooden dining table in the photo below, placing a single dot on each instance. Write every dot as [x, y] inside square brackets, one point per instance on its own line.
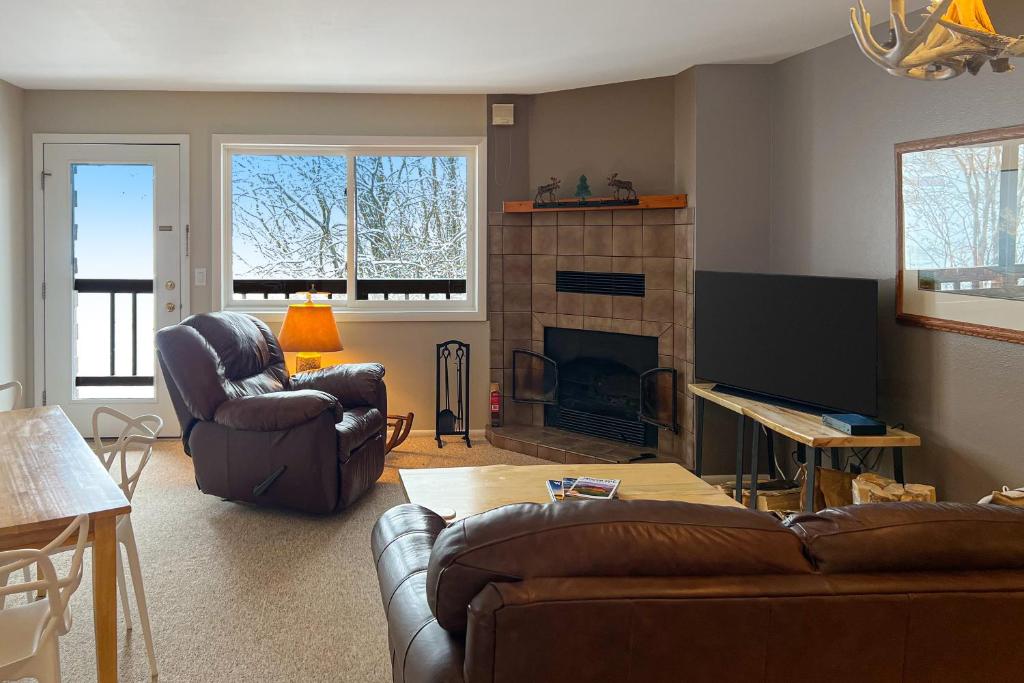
[49, 476]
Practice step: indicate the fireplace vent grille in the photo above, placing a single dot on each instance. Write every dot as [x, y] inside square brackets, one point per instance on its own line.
[605, 427]
[616, 284]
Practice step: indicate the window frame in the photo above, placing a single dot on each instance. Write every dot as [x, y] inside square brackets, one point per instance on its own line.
[473, 149]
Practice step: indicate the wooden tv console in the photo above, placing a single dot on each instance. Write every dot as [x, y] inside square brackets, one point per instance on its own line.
[806, 429]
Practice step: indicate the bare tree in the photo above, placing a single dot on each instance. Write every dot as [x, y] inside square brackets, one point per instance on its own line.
[951, 199]
[289, 217]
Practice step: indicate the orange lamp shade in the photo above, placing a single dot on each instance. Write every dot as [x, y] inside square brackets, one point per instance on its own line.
[310, 327]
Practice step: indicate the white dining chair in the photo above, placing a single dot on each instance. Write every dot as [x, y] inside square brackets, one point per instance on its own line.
[29, 648]
[18, 390]
[138, 435]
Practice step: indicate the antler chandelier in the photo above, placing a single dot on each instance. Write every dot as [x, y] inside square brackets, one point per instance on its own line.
[955, 36]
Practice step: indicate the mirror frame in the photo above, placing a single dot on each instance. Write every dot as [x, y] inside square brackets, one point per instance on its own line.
[934, 323]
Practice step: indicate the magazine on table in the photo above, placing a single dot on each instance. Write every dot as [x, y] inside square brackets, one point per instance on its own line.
[597, 489]
[582, 488]
[558, 487]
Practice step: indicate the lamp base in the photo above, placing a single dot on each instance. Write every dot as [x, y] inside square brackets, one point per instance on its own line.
[307, 361]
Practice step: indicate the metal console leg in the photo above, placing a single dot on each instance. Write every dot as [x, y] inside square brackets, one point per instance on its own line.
[740, 424]
[812, 474]
[698, 445]
[837, 460]
[755, 464]
[897, 465]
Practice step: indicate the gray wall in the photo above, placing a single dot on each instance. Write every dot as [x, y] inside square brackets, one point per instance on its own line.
[723, 155]
[508, 153]
[685, 92]
[12, 238]
[201, 114]
[624, 128]
[835, 120]
[733, 136]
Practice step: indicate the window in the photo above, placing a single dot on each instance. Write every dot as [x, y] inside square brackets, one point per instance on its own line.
[387, 229]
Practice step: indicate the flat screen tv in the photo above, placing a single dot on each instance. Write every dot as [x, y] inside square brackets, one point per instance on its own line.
[806, 340]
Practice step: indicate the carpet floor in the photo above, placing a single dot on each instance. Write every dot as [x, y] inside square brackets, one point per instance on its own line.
[239, 593]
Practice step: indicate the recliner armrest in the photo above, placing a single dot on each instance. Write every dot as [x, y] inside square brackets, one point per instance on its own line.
[276, 411]
[354, 384]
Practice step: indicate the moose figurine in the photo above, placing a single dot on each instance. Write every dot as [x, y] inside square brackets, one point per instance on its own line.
[620, 186]
[548, 190]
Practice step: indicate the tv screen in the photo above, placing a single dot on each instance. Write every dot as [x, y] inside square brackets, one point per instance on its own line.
[809, 340]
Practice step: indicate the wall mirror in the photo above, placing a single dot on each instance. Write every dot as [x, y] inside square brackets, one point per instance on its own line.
[960, 205]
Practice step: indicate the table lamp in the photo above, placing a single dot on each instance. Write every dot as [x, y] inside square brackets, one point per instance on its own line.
[310, 330]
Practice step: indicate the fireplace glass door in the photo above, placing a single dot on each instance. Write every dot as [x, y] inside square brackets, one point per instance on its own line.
[534, 378]
[658, 398]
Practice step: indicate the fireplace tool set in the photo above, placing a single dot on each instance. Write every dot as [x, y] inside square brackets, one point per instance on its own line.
[452, 391]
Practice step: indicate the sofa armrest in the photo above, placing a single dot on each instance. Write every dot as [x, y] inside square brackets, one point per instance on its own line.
[354, 384]
[422, 651]
[275, 411]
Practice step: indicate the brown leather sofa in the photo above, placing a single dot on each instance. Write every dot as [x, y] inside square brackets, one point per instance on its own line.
[313, 441]
[656, 591]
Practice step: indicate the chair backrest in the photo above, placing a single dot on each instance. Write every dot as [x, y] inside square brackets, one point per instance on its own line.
[59, 589]
[138, 433]
[212, 357]
[16, 387]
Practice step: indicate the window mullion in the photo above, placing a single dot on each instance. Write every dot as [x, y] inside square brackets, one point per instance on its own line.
[350, 196]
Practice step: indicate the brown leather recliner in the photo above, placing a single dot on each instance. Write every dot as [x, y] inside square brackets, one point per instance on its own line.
[313, 441]
[657, 591]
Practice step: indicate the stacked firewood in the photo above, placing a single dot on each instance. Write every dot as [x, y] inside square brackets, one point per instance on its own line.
[874, 488]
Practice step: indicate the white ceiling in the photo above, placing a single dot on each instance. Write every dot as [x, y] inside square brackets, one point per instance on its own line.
[438, 46]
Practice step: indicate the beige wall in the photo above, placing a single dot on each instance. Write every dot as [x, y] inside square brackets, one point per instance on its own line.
[836, 119]
[12, 237]
[624, 128]
[407, 349]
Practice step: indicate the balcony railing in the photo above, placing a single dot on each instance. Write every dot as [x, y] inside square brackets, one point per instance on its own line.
[112, 288]
[1001, 282]
[390, 290]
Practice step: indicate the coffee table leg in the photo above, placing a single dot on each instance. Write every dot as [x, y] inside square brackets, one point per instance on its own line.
[740, 424]
[755, 464]
[698, 446]
[837, 461]
[897, 465]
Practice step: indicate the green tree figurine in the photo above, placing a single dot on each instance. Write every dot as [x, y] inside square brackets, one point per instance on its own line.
[583, 189]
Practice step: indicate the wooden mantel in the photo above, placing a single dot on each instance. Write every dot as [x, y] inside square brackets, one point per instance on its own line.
[654, 201]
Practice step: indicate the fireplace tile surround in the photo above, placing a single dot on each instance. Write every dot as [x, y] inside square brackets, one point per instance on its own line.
[525, 251]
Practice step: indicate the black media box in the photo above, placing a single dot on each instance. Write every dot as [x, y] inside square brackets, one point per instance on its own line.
[854, 425]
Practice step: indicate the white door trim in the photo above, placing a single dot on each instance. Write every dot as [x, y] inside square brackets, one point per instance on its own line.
[38, 230]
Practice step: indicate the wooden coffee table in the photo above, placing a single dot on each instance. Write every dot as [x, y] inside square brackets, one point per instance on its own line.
[471, 490]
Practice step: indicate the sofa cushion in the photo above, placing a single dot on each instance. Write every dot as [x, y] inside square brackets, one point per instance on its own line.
[605, 539]
[908, 537]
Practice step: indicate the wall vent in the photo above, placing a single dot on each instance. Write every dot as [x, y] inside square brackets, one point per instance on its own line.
[615, 284]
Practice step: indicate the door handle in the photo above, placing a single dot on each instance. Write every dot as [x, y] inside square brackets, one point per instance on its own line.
[169, 306]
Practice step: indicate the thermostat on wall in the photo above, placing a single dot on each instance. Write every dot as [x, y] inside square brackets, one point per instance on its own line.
[503, 114]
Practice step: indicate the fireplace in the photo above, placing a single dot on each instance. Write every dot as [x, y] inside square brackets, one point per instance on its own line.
[619, 272]
[602, 384]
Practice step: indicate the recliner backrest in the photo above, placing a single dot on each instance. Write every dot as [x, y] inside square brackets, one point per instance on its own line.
[212, 357]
